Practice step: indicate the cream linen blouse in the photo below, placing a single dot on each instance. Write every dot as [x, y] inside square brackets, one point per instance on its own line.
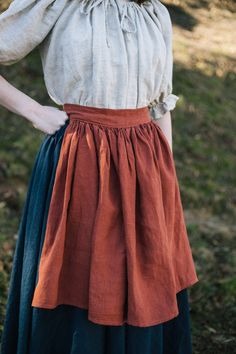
[104, 53]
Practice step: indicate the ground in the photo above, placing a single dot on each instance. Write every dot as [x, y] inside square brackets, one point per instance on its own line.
[204, 148]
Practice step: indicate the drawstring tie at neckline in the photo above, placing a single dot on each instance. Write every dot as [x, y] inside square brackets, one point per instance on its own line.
[128, 23]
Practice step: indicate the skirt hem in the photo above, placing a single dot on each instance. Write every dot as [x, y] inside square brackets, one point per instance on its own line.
[99, 318]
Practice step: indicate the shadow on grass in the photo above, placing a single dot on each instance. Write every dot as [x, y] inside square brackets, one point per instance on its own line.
[222, 4]
[204, 140]
[204, 146]
[181, 17]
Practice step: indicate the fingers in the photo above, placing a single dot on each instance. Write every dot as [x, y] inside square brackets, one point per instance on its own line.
[53, 120]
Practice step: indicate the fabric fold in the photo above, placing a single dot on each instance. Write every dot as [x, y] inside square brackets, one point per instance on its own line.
[127, 21]
[115, 228]
[159, 108]
[24, 25]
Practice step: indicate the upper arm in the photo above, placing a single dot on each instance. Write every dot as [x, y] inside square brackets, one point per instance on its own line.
[166, 100]
[24, 25]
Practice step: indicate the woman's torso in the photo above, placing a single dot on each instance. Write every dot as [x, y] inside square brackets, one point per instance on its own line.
[103, 53]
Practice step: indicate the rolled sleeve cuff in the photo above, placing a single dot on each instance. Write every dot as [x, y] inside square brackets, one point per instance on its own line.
[158, 109]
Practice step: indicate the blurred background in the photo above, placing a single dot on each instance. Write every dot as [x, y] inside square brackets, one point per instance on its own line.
[204, 144]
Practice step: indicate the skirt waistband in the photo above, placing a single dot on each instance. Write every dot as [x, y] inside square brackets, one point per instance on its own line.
[108, 116]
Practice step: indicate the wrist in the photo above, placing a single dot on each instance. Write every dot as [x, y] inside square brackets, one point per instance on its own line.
[32, 111]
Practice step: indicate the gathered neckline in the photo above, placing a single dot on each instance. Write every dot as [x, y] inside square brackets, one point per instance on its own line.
[93, 3]
[128, 18]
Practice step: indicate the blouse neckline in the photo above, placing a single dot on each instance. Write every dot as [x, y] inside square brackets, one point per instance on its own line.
[128, 20]
[86, 5]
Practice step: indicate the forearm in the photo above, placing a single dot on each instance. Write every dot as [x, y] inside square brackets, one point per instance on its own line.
[16, 101]
[48, 119]
[166, 126]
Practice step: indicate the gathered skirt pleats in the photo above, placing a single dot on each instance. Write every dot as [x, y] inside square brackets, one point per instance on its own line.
[102, 218]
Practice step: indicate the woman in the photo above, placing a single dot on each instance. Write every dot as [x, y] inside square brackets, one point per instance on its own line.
[102, 261]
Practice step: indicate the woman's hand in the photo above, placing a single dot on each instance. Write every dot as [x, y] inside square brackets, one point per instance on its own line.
[48, 119]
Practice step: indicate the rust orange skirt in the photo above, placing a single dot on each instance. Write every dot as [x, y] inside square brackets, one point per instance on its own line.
[115, 240]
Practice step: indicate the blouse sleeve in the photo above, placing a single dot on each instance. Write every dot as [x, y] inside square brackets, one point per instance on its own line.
[167, 100]
[24, 25]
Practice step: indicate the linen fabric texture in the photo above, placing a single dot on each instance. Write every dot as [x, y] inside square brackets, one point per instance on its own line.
[109, 53]
[115, 227]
